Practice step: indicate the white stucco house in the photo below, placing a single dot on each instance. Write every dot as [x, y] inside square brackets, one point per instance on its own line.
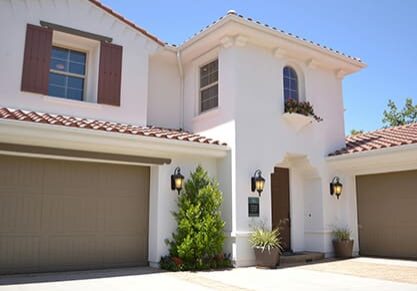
[96, 113]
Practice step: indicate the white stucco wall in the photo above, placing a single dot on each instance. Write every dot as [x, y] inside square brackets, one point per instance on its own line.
[164, 103]
[250, 119]
[81, 15]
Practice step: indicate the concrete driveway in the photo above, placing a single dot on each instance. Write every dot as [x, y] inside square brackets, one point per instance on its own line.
[354, 274]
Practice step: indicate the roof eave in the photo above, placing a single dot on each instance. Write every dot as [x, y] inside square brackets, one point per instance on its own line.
[353, 63]
[24, 132]
[371, 153]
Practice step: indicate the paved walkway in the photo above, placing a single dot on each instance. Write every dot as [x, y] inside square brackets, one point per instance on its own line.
[355, 274]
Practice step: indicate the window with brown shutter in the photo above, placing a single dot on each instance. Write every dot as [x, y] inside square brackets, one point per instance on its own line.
[36, 59]
[110, 71]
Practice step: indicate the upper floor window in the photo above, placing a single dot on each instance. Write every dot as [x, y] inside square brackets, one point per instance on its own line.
[72, 64]
[67, 73]
[290, 84]
[209, 86]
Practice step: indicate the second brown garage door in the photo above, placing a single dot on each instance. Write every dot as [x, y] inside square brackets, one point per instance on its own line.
[65, 215]
[387, 214]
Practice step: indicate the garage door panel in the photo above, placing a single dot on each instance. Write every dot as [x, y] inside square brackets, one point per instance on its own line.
[387, 214]
[19, 252]
[124, 213]
[71, 178]
[138, 178]
[13, 172]
[20, 212]
[69, 214]
[66, 215]
[120, 250]
[71, 250]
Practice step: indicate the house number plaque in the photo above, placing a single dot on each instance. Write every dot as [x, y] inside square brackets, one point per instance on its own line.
[253, 206]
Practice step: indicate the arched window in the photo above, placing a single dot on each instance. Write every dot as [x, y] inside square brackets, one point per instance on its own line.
[290, 84]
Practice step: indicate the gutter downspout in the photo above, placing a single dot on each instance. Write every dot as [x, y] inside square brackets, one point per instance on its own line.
[181, 72]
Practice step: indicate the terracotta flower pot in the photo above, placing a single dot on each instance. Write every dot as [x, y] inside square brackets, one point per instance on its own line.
[266, 259]
[343, 248]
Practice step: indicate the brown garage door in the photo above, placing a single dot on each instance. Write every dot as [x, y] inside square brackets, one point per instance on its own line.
[66, 215]
[387, 214]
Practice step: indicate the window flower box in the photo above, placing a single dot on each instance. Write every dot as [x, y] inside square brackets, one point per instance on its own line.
[298, 121]
[300, 114]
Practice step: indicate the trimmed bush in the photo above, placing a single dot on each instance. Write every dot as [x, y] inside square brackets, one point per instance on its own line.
[198, 241]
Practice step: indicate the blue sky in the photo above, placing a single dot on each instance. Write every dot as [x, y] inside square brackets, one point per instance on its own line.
[383, 33]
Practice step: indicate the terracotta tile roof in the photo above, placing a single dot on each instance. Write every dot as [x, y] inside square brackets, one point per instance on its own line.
[232, 13]
[383, 138]
[69, 121]
[128, 22]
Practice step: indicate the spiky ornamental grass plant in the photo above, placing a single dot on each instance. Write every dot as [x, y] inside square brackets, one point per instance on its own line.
[341, 233]
[199, 236]
[266, 239]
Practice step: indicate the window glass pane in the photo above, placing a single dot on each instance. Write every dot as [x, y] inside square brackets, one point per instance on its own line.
[77, 57]
[76, 83]
[209, 98]
[286, 83]
[295, 94]
[75, 94]
[77, 68]
[290, 84]
[59, 65]
[213, 77]
[286, 72]
[204, 81]
[56, 91]
[59, 53]
[209, 74]
[57, 79]
[204, 71]
[293, 85]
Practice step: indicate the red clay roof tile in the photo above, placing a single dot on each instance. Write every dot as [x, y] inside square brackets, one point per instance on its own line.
[379, 139]
[70, 121]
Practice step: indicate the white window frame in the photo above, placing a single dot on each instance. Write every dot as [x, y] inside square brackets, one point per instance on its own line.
[69, 74]
[201, 89]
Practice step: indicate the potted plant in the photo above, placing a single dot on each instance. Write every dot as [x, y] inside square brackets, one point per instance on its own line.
[267, 247]
[342, 243]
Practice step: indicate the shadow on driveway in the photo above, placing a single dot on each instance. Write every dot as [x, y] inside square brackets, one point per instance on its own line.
[75, 275]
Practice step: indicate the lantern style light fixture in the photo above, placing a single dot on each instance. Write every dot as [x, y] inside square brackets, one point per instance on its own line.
[177, 180]
[257, 182]
[336, 187]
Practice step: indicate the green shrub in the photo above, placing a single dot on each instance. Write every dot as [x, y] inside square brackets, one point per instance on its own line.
[265, 239]
[198, 241]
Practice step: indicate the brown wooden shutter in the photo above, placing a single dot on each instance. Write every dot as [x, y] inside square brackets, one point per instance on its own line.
[110, 74]
[36, 60]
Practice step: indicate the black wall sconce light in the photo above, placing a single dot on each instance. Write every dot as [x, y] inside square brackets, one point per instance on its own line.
[177, 180]
[257, 182]
[336, 187]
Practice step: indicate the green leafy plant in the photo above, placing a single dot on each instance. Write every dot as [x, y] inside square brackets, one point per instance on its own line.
[265, 239]
[301, 107]
[341, 233]
[198, 241]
